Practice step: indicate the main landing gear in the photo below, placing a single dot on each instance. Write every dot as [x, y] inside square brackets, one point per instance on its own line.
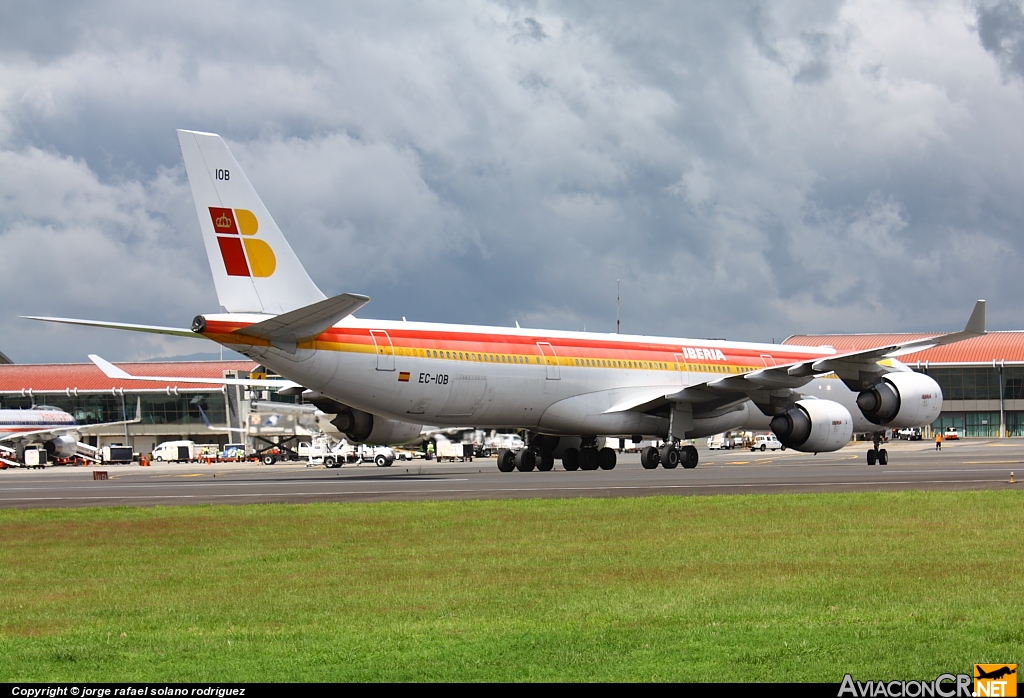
[876, 454]
[588, 457]
[538, 456]
[669, 456]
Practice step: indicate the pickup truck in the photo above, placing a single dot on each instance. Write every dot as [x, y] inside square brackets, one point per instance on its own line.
[765, 442]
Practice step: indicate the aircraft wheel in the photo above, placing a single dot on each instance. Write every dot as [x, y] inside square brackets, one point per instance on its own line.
[883, 457]
[546, 463]
[525, 461]
[506, 460]
[606, 459]
[649, 458]
[871, 456]
[571, 459]
[588, 459]
[669, 456]
[689, 457]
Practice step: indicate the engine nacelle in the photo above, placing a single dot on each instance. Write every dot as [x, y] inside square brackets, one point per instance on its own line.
[63, 446]
[902, 400]
[814, 426]
[365, 428]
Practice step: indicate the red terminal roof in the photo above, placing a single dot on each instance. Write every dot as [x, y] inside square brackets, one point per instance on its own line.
[88, 377]
[994, 346]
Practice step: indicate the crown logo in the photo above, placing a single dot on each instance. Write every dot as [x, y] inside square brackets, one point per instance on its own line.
[223, 222]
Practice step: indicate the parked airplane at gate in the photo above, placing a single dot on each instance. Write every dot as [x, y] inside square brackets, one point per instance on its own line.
[384, 378]
[50, 427]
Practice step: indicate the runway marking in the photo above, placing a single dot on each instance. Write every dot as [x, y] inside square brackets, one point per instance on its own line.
[513, 489]
[992, 462]
[962, 470]
[228, 483]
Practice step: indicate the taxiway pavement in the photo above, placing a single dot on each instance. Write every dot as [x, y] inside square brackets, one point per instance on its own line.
[968, 464]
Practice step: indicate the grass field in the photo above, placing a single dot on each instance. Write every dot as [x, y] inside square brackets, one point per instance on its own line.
[748, 588]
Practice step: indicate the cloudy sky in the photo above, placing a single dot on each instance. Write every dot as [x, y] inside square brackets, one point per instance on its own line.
[748, 170]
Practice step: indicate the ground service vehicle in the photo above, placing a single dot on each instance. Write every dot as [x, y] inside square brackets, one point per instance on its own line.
[175, 451]
[384, 379]
[331, 455]
[446, 450]
[234, 452]
[117, 454]
[766, 442]
[719, 441]
[951, 434]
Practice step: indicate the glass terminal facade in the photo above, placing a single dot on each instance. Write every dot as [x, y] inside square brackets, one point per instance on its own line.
[157, 408]
[977, 383]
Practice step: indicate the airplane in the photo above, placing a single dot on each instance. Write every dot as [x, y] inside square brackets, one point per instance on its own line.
[383, 379]
[995, 673]
[53, 429]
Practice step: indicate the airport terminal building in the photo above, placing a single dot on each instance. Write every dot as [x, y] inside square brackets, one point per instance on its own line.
[982, 379]
[169, 411]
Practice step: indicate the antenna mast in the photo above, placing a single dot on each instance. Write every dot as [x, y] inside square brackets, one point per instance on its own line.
[618, 284]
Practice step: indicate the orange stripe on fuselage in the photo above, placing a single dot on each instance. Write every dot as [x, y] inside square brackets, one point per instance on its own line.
[498, 348]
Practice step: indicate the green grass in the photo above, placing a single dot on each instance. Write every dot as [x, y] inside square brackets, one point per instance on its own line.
[749, 588]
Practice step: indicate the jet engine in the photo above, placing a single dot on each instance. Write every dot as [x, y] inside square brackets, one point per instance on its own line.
[902, 400]
[365, 428]
[812, 426]
[63, 446]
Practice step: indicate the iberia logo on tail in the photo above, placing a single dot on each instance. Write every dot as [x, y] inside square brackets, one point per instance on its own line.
[246, 255]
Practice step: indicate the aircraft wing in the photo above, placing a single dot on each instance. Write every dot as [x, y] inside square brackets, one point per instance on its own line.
[857, 369]
[153, 329]
[112, 371]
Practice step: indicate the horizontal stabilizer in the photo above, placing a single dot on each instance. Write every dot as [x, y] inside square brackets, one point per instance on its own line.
[112, 371]
[302, 324]
[153, 329]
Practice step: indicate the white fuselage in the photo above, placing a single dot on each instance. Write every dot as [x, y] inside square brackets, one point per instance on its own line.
[25, 421]
[568, 383]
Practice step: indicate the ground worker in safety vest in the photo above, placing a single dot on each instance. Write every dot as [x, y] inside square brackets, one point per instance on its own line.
[938, 441]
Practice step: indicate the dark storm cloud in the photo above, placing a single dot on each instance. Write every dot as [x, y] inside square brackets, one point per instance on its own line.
[747, 169]
[1001, 30]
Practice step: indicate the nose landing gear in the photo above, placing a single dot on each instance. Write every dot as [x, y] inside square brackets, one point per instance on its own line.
[876, 454]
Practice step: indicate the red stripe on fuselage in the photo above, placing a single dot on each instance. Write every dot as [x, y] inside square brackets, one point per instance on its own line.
[494, 343]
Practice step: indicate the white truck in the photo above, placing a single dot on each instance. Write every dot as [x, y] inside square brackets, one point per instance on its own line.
[381, 456]
[447, 450]
[719, 441]
[175, 451]
[320, 451]
[766, 442]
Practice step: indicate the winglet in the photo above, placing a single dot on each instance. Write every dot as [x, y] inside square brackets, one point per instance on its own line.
[109, 369]
[976, 324]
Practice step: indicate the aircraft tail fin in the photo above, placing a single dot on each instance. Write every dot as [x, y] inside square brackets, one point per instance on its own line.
[254, 267]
